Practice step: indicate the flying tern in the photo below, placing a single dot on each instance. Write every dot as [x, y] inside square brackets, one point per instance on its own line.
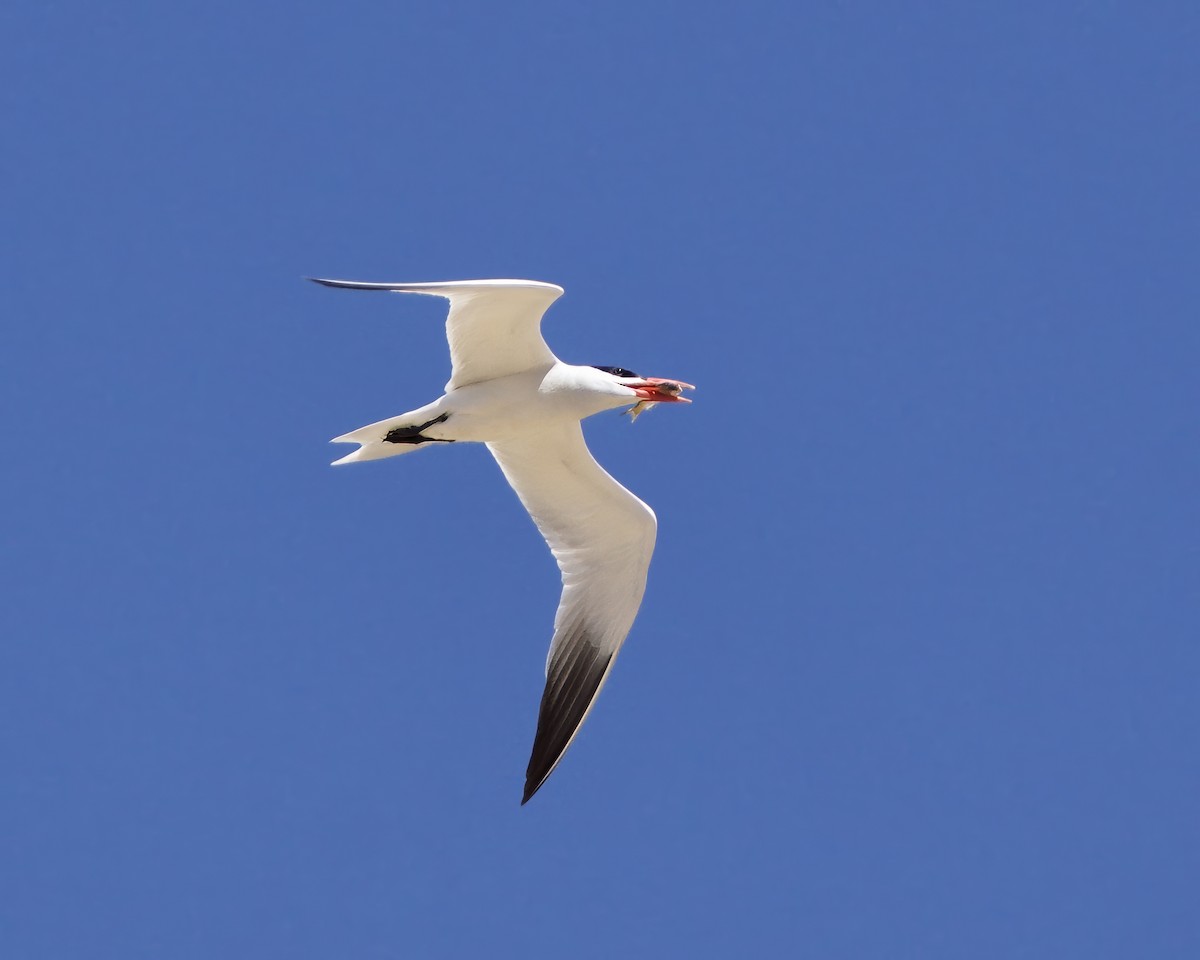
[508, 391]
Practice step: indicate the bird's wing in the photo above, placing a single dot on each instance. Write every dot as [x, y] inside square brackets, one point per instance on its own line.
[494, 326]
[602, 537]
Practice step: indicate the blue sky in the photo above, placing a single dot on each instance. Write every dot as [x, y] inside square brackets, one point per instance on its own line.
[916, 671]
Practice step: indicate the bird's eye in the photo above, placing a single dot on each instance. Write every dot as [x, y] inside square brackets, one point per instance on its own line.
[616, 371]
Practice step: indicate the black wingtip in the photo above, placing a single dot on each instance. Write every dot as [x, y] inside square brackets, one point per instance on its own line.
[355, 284]
[577, 671]
[530, 789]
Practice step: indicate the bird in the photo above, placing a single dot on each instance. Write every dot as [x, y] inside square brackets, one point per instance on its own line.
[508, 391]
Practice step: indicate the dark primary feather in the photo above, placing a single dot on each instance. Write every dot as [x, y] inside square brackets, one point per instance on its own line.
[572, 682]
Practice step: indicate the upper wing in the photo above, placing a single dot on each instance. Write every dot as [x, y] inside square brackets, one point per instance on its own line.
[602, 537]
[494, 326]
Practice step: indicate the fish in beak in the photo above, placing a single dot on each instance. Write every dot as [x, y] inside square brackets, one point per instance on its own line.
[652, 390]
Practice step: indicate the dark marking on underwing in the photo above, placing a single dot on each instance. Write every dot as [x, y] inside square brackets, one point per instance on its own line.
[574, 678]
[413, 434]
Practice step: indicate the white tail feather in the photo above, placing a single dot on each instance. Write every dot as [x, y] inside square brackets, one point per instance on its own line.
[376, 450]
[371, 438]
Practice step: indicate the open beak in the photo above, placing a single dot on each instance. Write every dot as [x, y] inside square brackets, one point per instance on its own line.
[659, 390]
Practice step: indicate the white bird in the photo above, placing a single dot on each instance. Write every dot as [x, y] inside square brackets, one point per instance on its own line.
[507, 390]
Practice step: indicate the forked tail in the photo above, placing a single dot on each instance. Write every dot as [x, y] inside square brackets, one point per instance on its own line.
[390, 438]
